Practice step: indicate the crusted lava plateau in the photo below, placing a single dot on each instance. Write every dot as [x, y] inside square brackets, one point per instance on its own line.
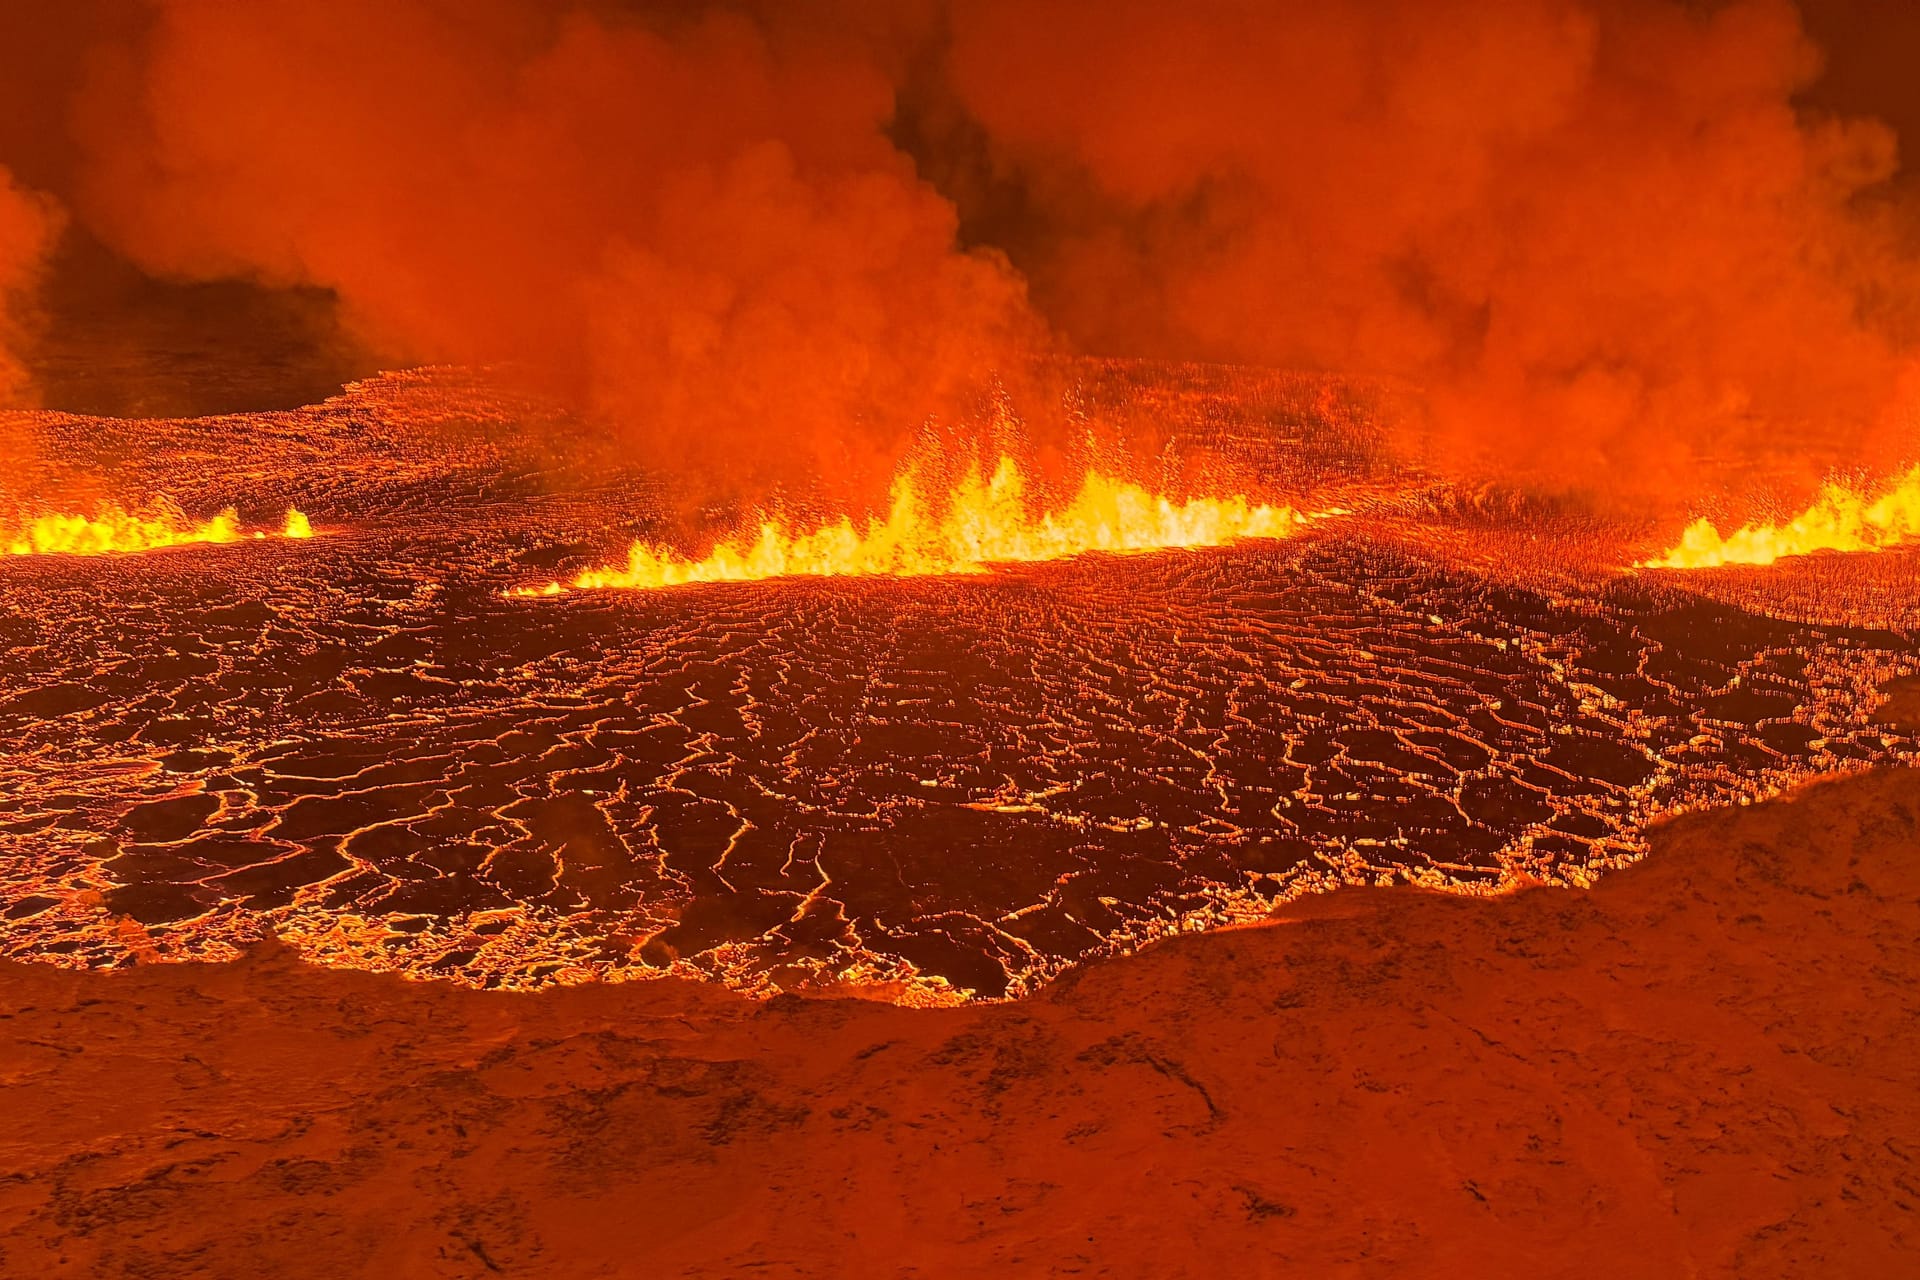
[921, 788]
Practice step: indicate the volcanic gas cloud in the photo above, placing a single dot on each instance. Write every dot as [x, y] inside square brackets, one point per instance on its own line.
[27, 225]
[1615, 247]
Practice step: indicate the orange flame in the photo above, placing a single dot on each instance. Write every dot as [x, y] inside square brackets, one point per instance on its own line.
[114, 530]
[1840, 519]
[983, 522]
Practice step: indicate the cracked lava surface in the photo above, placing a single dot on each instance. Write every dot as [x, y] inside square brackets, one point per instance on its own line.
[928, 788]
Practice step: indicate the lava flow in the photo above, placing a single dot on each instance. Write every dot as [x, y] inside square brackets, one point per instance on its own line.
[113, 530]
[948, 788]
[1840, 519]
[982, 522]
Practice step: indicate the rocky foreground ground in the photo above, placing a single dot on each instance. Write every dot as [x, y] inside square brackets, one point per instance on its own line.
[1708, 1065]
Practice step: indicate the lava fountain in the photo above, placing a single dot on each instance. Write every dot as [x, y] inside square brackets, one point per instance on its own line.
[982, 521]
[113, 530]
[1841, 518]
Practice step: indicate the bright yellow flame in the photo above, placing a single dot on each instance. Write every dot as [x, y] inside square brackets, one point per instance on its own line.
[1840, 519]
[114, 530]
[983, 522]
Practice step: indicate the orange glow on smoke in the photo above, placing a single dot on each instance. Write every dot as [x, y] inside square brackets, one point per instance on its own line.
[1840, 519]
[113, 530]
[982, 522]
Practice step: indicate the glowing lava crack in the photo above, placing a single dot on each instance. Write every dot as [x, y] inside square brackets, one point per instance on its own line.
[983, 522]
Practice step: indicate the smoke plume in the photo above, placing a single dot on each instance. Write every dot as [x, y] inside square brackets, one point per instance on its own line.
[28, 225]
[695, 223]
[1611, 242]
[1603, 237]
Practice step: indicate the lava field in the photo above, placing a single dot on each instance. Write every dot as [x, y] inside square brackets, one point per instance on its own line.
[928, 788]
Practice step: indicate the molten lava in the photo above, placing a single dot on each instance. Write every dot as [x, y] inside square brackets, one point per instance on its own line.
[982, 522]
[113, 530]
[1840, 519]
